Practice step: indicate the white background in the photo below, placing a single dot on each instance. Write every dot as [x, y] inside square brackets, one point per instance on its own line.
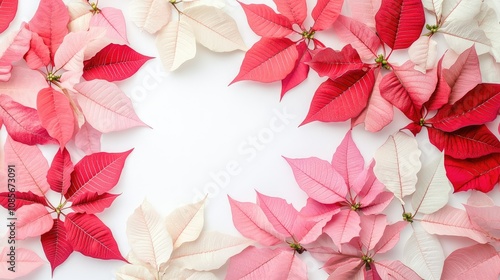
[199, 126]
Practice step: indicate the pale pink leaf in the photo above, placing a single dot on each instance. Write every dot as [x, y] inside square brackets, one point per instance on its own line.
[150, 15]
[372, 229]
[106, 107]
[70, 54]
[395, 270]
[343, 227]
[26, 262]
[31, 167]
[134, 272]
[479, 261]
[88, 139]
[423, 53]
[14, 47]
[112, 19]
[397, 164]
[32, 220]
[186, 223]
[80, 14]
[478, 198]
[453, 222]
[177, 272]
[365, 10]
[463, 75]
[281, 214]
[214, 28]
[347, 160]
[176, 44]
[209, 251]
[390, 237]
[24, 86]
[360, 36]
[345, 267]
[319, 180]
[485, 218]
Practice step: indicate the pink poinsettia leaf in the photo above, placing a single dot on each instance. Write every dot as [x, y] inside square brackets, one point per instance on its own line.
[55, 244]
[113, 21]
[91, 237]
[16, 46]
[268, 60]
[361, 37]
[463, 75]
[281, 214]
[399, 23]
[478, 106]
[264, 263]
[365, 10]
[377, 205]
[347, 160]
[485, 218]
[93, 203]
[325, 13]
[395, 270]
[390, 237]
[26, 262]
[32, 220]
[366, 185]
[331, 63]
[22, 123]
[479, 261]
[50, 22]
[38, 54]
[344, 267]
[442, 92]
[342, 98]
[467, 142]
[372, 229]
[96, 173]
[265, 22]
[88, 139]
[316, 211]
[24, 85]
[319, 180]
[20, 199]
[8, 10]
[59, 174]
[294, 10]
[299, 72]
[343, 227]
[252, 223]
[371, 274]
[113, 63]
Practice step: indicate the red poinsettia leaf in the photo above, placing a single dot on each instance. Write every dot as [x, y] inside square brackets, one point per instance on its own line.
[265, 22]
[113, 63]
[331, 63]
[399, 22]
[56, 114]
[91, 237]
[8, 10]
[414, 128]
[20, 199]
[93, 203]
[38, 54]
[463, 75]
[59, 175]
[299, 72]
[362, 37]
[478, 173]
[478, 106]
[294, 10]
[325, 13]
[96, 173]
[50, 22]
[55, 244]
[342, 98]
[22, 123]
[268, 60]
[441, 95]
[408, 89]
[467, 142]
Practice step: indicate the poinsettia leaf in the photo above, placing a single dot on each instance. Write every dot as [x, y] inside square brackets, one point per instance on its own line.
[281, 214]
[71, 52]
[93, 203]
[343, 227]
[481, 173]
[88, 139]
[91, 237]
[22, 123]
[80, 14]
[360, 36]
[214, 29]
[365, 10]
[186, 223]
[395, 270]
[325, 13]
[268, 60]
[423, 53]
[113, 21]
[24, 85]
[31, 167]
[113, 63]
[55, 244]
[464, 33]
[478, 198]
[452, 222]
[347, 160]
[398, 155]
[344, 267]
[32, 220]
[441, 94]
[319, 180]
[463, 75]
[467, 142]
[390, 237]
[106, 107]
[150, 15]
[176, 44]
[134, 272]
[177, 272]
[38, 54]
[372, 229]
[400, 23]
[485, 218]
[265, 263]
[96, 173]
[26, 262]
[252, 223]
[265, 22]
[331, 63]
[488, 22]
[294, 10]
[478, 106]
[8, 10]
[342, 98]
[59, 174]
[435, 7]
[480, 261]
[456, 10]
[15, 46]
[50, 22]
[20, 199]
[148, 236]
[408, 89]
[299, 72]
